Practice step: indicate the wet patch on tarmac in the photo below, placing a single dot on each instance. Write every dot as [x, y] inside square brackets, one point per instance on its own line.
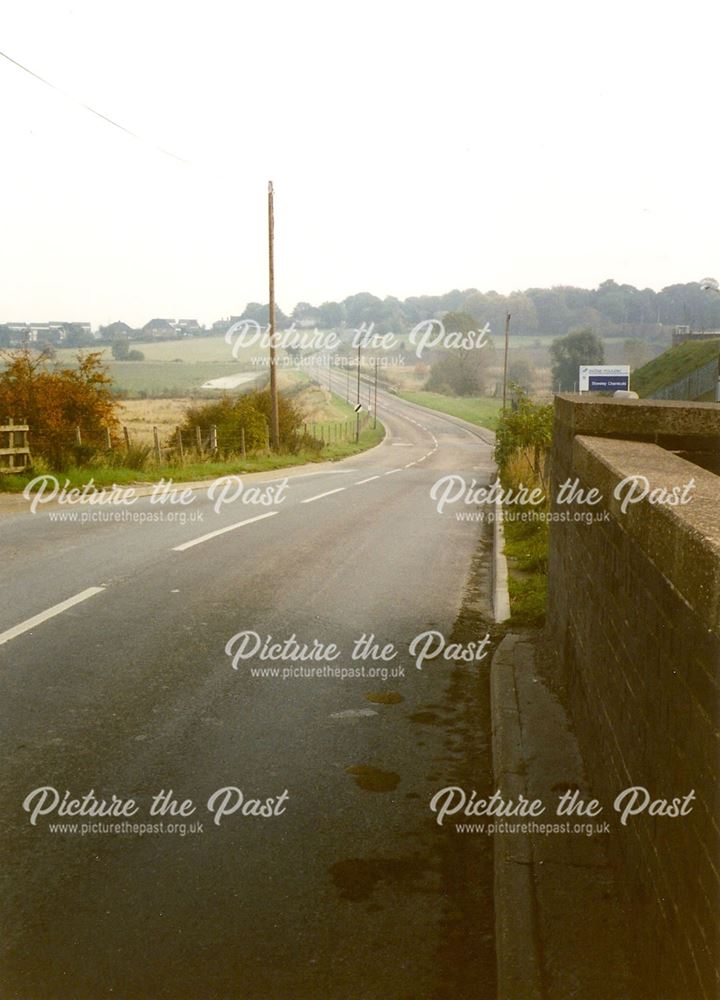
[357, 878]
[385, 697]
[372, 779]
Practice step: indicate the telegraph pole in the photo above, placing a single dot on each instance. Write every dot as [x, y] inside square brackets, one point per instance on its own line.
[359, 405]
[274, 417]
[505, 367]
[375, 405]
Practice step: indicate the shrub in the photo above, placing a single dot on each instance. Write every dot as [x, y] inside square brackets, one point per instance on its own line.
[55, 401]
[525, 429]
[251, 413]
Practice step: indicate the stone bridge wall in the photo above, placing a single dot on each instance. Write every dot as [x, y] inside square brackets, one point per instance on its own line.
[634, 613]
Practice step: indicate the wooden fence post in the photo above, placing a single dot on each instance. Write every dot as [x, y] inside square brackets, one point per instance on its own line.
[126, 435]
[108, 439]
[242, 442]
[78, 436]
[16, 456]
[198, 440]
[181, 454]
[213, 438]
[156, 439]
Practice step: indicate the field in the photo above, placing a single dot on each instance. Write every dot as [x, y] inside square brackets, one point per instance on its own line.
[316, 404]
[187, 349]
[165, 378]
[141, 415]
[175, 367]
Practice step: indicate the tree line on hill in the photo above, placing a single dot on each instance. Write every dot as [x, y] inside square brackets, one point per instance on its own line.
[611, 310]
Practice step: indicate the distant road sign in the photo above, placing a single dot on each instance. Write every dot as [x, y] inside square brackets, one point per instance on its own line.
[598, 378]
[358, 407]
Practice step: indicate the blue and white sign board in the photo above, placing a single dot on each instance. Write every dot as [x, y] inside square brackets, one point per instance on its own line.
[604, 378]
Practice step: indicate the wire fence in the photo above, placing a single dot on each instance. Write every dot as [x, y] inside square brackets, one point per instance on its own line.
[697, 383]
[200, 443]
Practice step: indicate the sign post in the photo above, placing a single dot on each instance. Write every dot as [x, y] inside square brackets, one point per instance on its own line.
[604, 378]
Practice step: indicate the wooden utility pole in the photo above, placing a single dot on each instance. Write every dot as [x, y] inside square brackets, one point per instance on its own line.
[358, 407]
[274, 418]
[375, 407]
[505, 367]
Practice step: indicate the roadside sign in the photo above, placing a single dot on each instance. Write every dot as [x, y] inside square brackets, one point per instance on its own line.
[596, 378]
[358, 407]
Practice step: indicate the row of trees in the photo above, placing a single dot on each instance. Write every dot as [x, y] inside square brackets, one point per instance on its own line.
[465, 372]
[612, 309]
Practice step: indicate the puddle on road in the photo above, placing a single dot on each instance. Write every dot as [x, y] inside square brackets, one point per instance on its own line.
[425, 718]
[385, 697]
[357, 878]
[371, 779]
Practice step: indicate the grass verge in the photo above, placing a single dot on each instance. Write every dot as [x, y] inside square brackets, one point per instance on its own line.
[480, 410]
[107, 475]
[526, 549]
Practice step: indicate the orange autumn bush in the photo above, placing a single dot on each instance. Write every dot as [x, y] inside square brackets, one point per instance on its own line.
[54, 401]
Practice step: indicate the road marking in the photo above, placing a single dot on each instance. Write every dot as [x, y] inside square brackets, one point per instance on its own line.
[353, 713]
[391, 472]
[326, 494]
[222, 531]
[410, 465]
[56, 609]
[368, 480]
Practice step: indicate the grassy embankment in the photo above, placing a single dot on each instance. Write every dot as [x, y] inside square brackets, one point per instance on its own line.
[481, 410]
[107, 475]
[672, 365]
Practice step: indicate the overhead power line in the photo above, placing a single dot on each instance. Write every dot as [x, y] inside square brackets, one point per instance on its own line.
[92, 111]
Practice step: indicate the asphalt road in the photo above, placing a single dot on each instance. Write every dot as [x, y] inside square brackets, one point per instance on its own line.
[352, 890]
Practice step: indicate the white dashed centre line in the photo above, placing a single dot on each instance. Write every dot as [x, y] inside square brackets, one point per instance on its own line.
[326, 494]
[222, 531]
[56, 609]
[368, 480]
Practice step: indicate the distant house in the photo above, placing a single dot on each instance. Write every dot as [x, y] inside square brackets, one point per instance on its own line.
[44, 331]
[53, 332]
[20, 333]
[75, 327]
[117, 331]
[188, 328]
[160, 328]
[221, 326]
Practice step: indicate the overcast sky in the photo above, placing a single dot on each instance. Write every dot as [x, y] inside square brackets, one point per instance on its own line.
[415, 147]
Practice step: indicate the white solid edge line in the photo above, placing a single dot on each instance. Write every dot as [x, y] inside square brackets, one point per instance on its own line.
[222, 531]
[326, 494]
[368, 480]
[56, 609]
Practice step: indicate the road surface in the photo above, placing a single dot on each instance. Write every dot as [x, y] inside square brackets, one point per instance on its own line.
[351, 890]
